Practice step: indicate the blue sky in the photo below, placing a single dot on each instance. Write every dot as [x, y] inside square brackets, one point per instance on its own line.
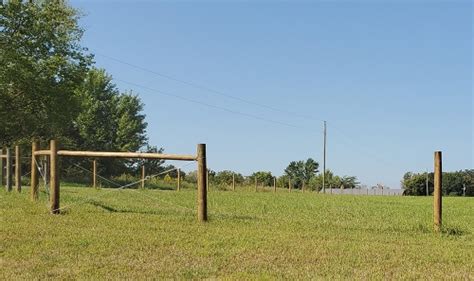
[394, 80]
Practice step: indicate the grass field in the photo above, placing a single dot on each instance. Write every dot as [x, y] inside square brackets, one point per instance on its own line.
[146, 234]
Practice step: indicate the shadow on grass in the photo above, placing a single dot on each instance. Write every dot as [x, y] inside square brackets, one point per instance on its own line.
[115, 210]
[453, 231]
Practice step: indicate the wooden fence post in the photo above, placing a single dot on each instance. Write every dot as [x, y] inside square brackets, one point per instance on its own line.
[9, 169]
[1, 167]
[142, 185]
[437, 194]
[274, 184]
[207, 179]
[179, 179]
[202, 182]
[54, 177]
[233, 181]
[302, 187]
[94, 173]
[289, 184]
[255, 183]
[17, 169]
[34, 172]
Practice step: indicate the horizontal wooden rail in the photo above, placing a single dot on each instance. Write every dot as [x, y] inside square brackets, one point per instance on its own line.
[42, 152]
[140, 155]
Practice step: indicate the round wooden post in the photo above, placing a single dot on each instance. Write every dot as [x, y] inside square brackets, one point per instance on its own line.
[255, 183]
[233, 181]
[437, 194]
[94, 173]
[54, 177]
[142, 185]
[8, 179]
[1, 167]
[274, 184]
[34, 172]
[179, 179]
[17, 169]
[207, 179]
[202, 182]
[302, 188]
[289, 184]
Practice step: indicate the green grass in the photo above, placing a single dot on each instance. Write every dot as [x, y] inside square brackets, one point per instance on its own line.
[150, 234]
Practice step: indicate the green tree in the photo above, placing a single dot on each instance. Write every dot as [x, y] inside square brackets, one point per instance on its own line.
[96, 124]
[42, 66]
[263, 178]
[225, 177]
[301, 171]
[349, 182]
[452, 184]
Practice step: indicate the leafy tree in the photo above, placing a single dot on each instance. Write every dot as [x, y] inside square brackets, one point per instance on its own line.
[453, 183]
[263, 178]
[42, 66]
[301, 171]
[152, 166]
[110, 121]
[349, 182]
[96, 124]
[225, 177]
[131, 125]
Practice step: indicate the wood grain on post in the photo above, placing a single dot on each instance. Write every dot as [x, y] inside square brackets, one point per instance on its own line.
[202, 182]
[17, 169]
[1, 167]
[8, 180]
[437, 194]
[179, 179]
[233, 181]
[142, 185]
[94, 173]
[34, 172]
[54, 177]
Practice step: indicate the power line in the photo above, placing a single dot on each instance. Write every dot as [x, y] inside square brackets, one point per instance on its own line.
[211, 105]
[208, 89]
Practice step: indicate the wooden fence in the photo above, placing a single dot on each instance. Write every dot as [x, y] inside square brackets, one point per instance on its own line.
[54, 181]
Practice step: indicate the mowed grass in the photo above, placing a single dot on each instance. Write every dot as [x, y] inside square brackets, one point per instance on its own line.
[152, 234]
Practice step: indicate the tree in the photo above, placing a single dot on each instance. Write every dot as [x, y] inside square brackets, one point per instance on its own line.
[42, 66]
[110, 121]
[263, 178]
[349, 182]
[225, 177]
[453, 183]
[131, 125]
[301, 171]
[96, 124]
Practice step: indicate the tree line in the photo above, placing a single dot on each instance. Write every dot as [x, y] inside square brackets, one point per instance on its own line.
[453, 183]
[51, 89]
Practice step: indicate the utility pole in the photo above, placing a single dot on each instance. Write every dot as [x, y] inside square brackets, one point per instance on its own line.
[324, 160]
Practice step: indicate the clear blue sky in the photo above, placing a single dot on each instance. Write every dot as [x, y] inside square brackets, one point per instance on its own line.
[394, 80]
